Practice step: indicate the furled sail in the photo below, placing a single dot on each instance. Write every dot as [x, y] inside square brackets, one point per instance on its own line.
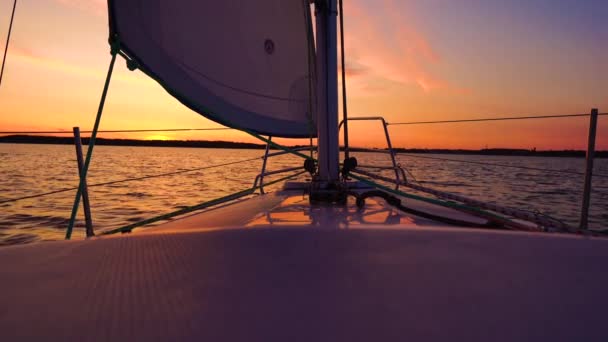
[244, 64]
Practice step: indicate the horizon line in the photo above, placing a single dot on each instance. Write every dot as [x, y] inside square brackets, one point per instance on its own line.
[61, 140]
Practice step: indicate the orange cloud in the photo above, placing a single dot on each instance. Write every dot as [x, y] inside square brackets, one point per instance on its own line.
[29, 56]
[97, 7]
[398, 54]
[411, 41]
[26, 55]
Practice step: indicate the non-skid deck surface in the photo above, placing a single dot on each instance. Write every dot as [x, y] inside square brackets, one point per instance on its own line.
[293, 284]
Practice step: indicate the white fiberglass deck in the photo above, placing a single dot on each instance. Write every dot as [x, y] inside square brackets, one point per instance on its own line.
[291, 208]
[286, 274]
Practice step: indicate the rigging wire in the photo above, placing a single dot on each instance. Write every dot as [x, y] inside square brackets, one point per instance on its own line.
[344, 104]
[204, 205]
[8, 39]
[312, 79]
[129, 180]
[492, 119]
[122, 131]
[228, 128]
[502, 165]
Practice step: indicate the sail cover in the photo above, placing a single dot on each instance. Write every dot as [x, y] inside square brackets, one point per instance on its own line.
[244, 64]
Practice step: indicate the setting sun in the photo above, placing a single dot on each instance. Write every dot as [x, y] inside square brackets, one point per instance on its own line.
[157, 137]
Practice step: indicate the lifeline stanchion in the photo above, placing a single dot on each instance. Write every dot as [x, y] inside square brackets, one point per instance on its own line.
[87, 162]
[264, 165]
[589, 169]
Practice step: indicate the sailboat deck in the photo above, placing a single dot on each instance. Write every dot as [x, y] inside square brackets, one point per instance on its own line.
[271, 281]
[291, 208]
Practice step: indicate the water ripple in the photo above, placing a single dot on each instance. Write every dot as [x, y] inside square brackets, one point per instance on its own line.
[28, 169]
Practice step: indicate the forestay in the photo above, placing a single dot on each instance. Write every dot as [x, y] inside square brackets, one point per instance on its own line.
[244, 64]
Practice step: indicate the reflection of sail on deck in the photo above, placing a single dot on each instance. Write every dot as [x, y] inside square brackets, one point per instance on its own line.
[245, 64]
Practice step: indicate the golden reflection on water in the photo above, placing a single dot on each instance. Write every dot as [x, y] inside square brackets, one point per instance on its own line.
[296, 211]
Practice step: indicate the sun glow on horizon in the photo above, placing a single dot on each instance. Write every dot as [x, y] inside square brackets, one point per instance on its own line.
[158, 137]
[406, 61]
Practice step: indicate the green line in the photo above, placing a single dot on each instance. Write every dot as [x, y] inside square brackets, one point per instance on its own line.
[182, 211]
[282, 179]
[8, 39]
[429, 200]
[200, 206]
[275, 145]
[186, 210]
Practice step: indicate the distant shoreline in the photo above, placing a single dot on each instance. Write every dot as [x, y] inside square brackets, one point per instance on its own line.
[50, 140]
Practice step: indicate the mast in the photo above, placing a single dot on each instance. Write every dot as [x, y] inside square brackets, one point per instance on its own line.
[326, 12]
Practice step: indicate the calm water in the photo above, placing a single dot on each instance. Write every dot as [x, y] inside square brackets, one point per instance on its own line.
[32, 169]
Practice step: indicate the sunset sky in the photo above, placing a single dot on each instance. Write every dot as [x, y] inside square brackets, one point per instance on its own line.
[407, 61]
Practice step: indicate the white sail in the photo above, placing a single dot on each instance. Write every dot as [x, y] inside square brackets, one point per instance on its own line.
[244, 64]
